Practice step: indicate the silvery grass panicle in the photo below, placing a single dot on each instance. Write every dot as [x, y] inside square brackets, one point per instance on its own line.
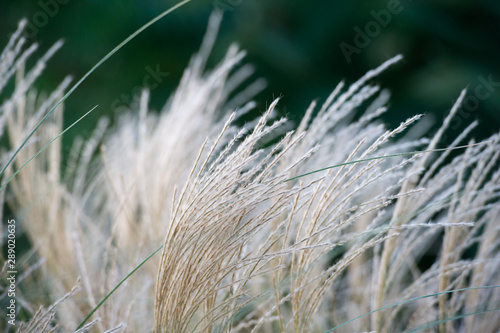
[36, 196]
[258, 234]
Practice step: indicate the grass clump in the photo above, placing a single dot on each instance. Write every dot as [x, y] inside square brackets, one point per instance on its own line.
[253, 241]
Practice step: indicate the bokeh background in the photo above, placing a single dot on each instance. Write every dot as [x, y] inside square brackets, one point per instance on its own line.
[302, 48]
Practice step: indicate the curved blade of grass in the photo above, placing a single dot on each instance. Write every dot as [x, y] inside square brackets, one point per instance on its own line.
[45, 147]
[435, 323]
[115, 288]
[411, 300]
[386, 156]
[106, 57]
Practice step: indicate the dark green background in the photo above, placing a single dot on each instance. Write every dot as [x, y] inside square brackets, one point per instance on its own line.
[295, 45]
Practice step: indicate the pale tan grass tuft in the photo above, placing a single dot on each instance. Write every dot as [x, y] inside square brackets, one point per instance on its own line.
[254, 240]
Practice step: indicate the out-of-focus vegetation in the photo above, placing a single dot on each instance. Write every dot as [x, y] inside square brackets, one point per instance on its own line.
[299, 47]
[97, 217]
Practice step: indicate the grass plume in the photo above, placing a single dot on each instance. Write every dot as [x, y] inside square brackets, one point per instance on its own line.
[329, 226]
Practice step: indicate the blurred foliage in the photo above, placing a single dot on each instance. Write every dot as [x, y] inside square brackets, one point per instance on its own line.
[295, 45]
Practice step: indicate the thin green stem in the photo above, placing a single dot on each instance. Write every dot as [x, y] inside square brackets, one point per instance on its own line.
[106, 57]
[382, 157]
[116, 287]
[45, 147]
[410, 300]
[463, 315]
